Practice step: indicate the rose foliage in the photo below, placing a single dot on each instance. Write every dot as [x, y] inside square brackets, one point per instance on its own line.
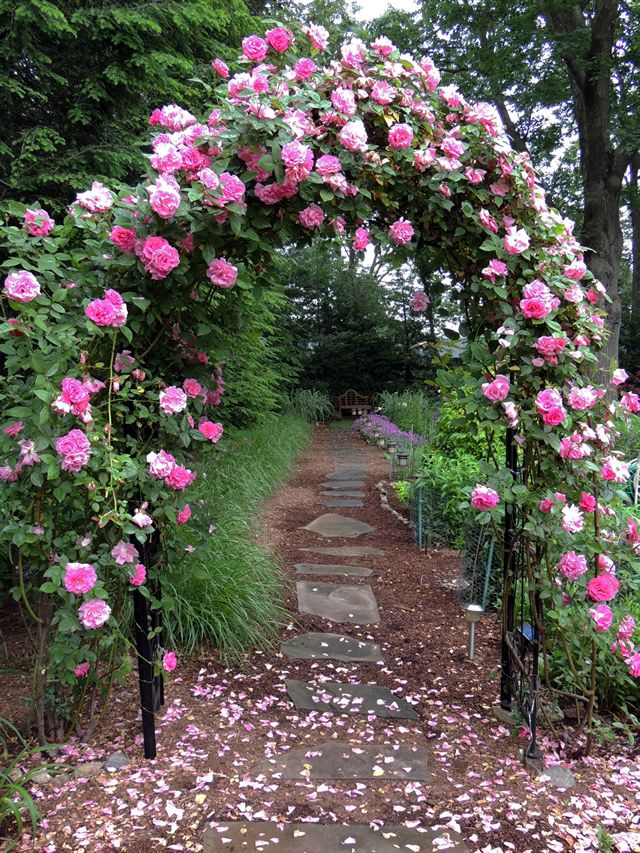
[113, 319]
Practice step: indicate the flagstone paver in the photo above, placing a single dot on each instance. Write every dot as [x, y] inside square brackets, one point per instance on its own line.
[345, 551]
[341, 502]
[333, 838]
[334, 526]
[346, 474]
[332, 569]
[349, 699]
[331, 760]
[338, 602]
[344, 484]
[317, 646]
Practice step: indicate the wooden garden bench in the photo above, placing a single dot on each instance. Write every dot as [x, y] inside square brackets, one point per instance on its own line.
[352, 400]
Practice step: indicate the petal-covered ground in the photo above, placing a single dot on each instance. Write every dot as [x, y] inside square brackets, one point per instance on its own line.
[218, 722]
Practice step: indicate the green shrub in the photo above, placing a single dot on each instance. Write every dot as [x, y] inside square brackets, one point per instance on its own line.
[311, 405]
[443, 478]
[233, 599]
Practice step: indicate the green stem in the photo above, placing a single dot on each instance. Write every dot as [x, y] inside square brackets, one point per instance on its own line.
[23, 591]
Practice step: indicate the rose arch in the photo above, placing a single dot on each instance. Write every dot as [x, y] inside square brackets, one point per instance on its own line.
[116, 313]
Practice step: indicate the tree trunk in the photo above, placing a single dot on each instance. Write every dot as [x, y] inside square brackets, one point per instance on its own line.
[634, 209]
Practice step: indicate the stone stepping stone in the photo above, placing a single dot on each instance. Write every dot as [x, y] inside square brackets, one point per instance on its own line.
[559, 776]
[338, 602]
[333, 760]
[344, 484]
[318, 569]
[342, 502]
[349, 699]
[239, 836]
[330, 647]
[334, 526]
[346, 474]
[344, 494]
[346, 551]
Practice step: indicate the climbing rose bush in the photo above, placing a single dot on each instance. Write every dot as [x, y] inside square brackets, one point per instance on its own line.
[368, 148]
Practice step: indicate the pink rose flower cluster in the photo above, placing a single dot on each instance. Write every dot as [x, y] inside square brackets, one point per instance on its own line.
[110, 311]
[158, 257]
[549, 405]
[74, 451]
[538, 301]
[163, 466]
[211, 431]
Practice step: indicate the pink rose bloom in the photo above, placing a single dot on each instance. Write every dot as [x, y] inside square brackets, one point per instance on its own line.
[179, 478]
[94, 613]
[588, 502]
[572, 565]
[124, 238]
[630, 402]
[101, 311]
[354, 136]
[221, 67]
[602, 616]
[516, 241]
[254, 48]
[192, 388]
[475, 176]
[572, 519]
[222, 273]
[295, 153]
[484, 498]
[511, 412]
[164, 198]
[574, 294]
[361, 239]
[75, 450]
[401, 232]
[619, 376]
[28, 455]
[311, 217]
[279, 39]
[13, 429]
[233, 188]
[123, 361]
[79, 577]
[96, 200]
[75, 394]
[211, 431]
[166, 157]
[160, 464]
[548, 399]
[344, 101]
[424, 157]
[400, 136]
[603, 587]
[453, 147]
[141, 518]
[383, 46]
[318, 35]
[304, 68]
[328, 165]
[172, 400]
[496, 269]
[185, 515]
[383, 93]
[269, 193]
[634, 665]
[139, 578]
[496, 390]
[626, 628]
[353, 53]
[124, 552]
[22, 287]
[419, 301]
[451, 96]
[488, 221]
[169, 661]
[546, 505]
[38, 223]
[582, 399]
[615, 470]
[81, 670]
[626, 649]
[575, 270]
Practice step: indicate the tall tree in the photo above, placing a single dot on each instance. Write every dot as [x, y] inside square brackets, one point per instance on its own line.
[79, 79]
[542, 62]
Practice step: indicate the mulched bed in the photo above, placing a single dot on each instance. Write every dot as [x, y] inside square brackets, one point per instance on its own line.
[217, 721]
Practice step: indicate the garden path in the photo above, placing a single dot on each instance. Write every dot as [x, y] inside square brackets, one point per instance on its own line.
[229, 735]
